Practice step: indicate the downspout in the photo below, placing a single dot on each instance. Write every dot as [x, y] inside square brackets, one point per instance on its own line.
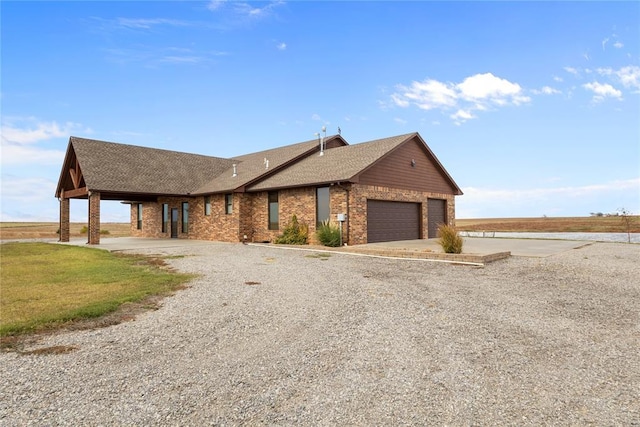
[346, 190]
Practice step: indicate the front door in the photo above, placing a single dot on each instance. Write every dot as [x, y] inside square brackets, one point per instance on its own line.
[174, 223]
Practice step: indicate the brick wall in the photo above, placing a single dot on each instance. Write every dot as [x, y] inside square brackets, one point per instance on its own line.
[299, 201]
[219, 225]
[94, 218]
[64, 220]
[152, 218]
[245, 211]
[250, 215]
[358, 207]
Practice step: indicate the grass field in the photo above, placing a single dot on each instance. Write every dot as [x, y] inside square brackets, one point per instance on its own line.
[612, 224]
[593, 224]
[48, 230]
[45, 285]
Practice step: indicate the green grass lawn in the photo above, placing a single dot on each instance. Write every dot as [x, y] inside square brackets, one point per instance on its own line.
[44, 285]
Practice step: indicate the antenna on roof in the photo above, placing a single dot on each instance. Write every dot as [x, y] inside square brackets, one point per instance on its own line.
[339, 131]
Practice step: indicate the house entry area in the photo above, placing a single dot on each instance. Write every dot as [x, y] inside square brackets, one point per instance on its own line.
[388, 221]
[174, 223]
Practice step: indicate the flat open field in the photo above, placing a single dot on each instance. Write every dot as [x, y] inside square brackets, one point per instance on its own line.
[611, 224]
[48, 230]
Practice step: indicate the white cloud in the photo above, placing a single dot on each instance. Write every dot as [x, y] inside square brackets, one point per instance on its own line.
[20, 138]
[27, 190]
[604, 43]
[246, 9]
[629, 76]
[461, 116]
[215, 4]
[482, 202]
[487, 87]
[281, 46]
[400, 121]
[32, 199]
[546, 90]
[479, 92]
[618, 45]
[557, 79]
[182, 59]
[148, 23]
[426, 95]
[571, 70]
[316, 117]
[33, 130]
[601, 91]
[18, 154]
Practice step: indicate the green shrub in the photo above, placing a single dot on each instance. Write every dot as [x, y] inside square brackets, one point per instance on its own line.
[104, 232]
[450, 239]
[295, 233]
[328, 234]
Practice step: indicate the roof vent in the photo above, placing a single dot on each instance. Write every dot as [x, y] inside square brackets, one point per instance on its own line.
[321, 139]
[266, 163]
[235, 170]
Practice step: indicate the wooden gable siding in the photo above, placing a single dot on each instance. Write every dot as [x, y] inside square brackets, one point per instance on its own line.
[333, 143]
[71, 177]
[396, 171]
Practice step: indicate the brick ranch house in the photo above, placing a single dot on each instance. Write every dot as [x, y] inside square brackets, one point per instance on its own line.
[388, 189]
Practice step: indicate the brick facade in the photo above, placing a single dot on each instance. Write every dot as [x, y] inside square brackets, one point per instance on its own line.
[94, 218]
[250, 214]
[359, 194]
[217, 226]
[64, 220]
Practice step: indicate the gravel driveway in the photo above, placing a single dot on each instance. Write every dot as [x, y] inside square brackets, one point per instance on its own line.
[283, 337]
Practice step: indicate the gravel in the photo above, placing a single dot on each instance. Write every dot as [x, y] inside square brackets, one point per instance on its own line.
[282, 337]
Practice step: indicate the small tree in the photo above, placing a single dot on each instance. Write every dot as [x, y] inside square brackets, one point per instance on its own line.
[450, 239]
[626, 218]
[295, 233]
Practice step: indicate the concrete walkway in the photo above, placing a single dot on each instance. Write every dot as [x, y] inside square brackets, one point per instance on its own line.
[485, 246]
[472, 245]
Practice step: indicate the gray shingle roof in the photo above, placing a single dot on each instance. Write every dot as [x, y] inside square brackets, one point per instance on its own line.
[122, 169]
[108, 166]
[337, 164]
[252, 166]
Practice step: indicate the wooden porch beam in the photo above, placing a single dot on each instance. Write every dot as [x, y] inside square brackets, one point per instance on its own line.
[78, 192]
[76, 175]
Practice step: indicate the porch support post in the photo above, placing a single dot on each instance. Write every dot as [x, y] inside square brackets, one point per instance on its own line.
[94, 218]
[64, 220]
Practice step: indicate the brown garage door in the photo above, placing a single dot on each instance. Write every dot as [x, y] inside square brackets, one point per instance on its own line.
[436, 213]
[388, 221]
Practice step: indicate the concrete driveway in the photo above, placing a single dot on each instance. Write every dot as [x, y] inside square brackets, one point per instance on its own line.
[486, 246]
[472, 245]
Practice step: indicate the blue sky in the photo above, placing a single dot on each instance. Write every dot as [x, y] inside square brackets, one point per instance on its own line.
[533, 108]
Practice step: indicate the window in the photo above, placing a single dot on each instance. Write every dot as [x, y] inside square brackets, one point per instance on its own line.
[185, 217]
[274, 219]
[139, 216]
[207, 205]
[322, 204]
[228, 204]
[165, 217]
